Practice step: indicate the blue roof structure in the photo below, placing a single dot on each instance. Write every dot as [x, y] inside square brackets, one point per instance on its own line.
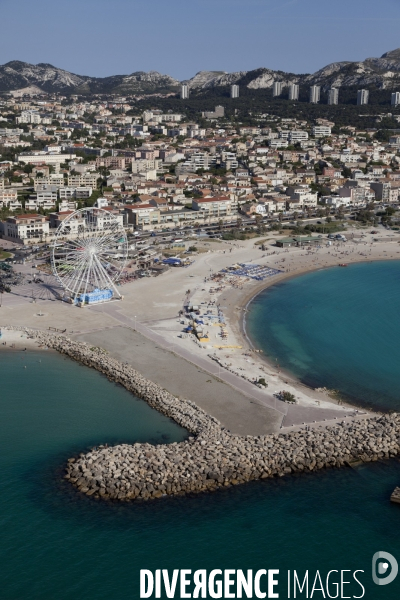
[94, 297]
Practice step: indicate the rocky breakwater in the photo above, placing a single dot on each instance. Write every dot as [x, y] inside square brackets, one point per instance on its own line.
[127, 472]
[212, 457]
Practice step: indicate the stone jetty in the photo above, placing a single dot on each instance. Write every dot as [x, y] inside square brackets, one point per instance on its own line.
[211, 457]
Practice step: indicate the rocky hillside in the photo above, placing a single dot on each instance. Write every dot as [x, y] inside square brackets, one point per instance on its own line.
[383, 72]
[15, 75]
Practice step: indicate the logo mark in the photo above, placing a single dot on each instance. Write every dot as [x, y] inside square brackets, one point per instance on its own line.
[380, 566]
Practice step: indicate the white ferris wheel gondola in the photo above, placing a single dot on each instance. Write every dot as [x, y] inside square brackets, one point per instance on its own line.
[89, 254]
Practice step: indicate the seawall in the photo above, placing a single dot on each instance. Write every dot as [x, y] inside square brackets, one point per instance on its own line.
[212, 457]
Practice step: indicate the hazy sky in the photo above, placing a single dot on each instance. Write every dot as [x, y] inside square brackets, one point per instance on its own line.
[181, 37]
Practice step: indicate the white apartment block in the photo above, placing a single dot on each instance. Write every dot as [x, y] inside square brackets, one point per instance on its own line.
[11, 132]
[83, 180]
[25, 228]
[358, 196]
[9, 199]
[79, 193]
[298, 136]
[321, 131]
[67, 205]
[43, 158]
[315, 94]
[336, 201]
[234, 91]
[105, 219]
[8, 195]
[395, 99]
[362, 97]
[277, 88]
[54, 179]
[198, 160]
[279, 143]
[46, 197]
[333, 96]
[28, 116]
[349, 158]
[303, 199]
[294, 91]
[144, 165]
[215, 207]
[229, 160]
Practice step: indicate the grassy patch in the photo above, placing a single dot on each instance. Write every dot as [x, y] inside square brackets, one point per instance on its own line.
[4, 254]
[234, 235]
[261, 242]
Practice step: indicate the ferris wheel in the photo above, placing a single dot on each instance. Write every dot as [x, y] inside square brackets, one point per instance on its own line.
[89, 254]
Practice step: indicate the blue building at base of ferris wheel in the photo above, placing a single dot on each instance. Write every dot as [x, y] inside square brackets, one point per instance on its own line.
[94, 297]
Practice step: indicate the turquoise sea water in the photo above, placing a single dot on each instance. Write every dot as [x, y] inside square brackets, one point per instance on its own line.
[338, 328]
[56, 545]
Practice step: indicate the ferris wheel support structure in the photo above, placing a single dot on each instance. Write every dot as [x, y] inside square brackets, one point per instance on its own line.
[89, 253]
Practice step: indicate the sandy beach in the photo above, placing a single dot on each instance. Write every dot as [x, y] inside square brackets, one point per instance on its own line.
[18, 341]
[152, 308]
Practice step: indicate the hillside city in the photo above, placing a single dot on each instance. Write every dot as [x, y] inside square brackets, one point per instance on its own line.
[160, 170]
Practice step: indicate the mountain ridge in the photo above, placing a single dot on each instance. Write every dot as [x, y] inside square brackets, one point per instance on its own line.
[383, 73]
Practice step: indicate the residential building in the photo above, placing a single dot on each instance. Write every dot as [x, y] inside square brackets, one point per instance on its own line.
[28, 116]
[395, 99]
[215, 207]
[321, 131]
[184, 91]
[229, 160]
[141, 215]
[333, 96]
[55, 180]
[67, 205]
[218, 113]
[79, 193]
[315, 94]
[83, 180]
[277, 88]
[9, 199]
[25, 228]
[103, 219]
[198, 160]
[297, 136]
[234, 91]
[382, 190]
[394, 141]
[113, 162]
[362, 97]
[359, 196]
[46, 197]
[301, 196]
[39, 158]
[294, 91]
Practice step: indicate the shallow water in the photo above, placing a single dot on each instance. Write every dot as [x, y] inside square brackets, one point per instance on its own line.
[56, 545]
[337, 328]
